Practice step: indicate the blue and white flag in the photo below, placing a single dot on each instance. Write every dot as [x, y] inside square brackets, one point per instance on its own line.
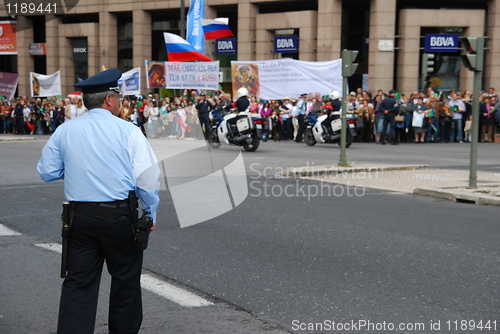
[130, 82]
[195, 35]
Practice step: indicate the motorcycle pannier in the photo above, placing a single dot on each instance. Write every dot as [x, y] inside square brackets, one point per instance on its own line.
[244, 124]
[336, 125]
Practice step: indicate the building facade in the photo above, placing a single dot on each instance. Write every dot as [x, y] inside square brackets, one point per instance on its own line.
[388, 34]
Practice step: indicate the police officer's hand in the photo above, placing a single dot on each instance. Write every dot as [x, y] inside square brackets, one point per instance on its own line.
[152, 227]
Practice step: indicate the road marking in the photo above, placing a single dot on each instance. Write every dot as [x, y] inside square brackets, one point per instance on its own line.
[155, 285]
[173, 293]
[5, 231]
[55, 247]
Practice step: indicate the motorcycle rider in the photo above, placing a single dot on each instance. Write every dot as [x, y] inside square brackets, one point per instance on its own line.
[336, 106]
[241, 104]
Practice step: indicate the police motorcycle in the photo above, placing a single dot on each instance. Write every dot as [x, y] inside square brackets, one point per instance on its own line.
[315, 132]
[239, 127]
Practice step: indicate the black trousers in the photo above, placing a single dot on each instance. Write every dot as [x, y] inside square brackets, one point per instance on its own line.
[300, 119]
[92, 240]
[204, 119]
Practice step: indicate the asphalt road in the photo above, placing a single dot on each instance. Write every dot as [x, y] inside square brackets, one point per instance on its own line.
[353, 256]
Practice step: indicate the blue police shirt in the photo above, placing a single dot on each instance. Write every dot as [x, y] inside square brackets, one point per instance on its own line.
[301, 107]
[101, 158]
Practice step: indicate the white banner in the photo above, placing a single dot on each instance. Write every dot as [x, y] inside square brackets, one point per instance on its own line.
[130, 82]
[185, 75]
[275, 79]
[45, 85]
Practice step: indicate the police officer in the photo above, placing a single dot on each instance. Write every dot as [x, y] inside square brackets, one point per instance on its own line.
[336, 106]
[104, 161]
[241, 104]
[301, 109]
[204, 107]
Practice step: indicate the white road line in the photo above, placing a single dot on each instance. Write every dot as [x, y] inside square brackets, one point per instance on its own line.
[155, 285]
[51, 247]
[173, 293]
[5, 231]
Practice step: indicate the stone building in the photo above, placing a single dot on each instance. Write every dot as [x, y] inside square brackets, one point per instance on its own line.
[387, 33]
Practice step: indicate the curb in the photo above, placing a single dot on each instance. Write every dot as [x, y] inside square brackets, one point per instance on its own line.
[458, 196]
[20, 138]
[327, 170]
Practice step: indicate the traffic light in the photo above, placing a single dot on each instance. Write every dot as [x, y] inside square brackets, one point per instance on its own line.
[428, 63]
[474, 59]
[348, 57]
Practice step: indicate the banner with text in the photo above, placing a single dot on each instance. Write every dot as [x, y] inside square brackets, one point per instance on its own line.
[185, 75]
[45, 85]
[130, 82]
[275, 79]
[8, 84]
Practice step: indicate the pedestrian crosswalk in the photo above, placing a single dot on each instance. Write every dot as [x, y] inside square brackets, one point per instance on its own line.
[150, 283]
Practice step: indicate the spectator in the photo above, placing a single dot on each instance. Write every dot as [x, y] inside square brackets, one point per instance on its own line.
[420, 120]
[367, 114]
[458, 108]
[487, 115]
[388, 110]
[433, 117]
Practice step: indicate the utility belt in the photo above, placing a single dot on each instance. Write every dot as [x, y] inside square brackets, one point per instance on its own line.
[126, 207]
[110, 209]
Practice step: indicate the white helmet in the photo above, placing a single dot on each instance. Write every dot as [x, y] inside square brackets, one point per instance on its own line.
[242, 92]
[334, 94]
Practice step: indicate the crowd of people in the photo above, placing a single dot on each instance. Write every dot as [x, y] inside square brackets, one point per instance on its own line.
[38, 116]
[381, 117]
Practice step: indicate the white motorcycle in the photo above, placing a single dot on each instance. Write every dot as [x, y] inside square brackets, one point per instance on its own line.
[316, 133]
[241, 129]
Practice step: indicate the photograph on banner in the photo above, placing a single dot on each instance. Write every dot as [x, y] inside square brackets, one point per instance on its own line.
[245, 75]
[45, 85]
[277, 78]
[192, 75]
[8, 84]
[130, 82]
[156, 74]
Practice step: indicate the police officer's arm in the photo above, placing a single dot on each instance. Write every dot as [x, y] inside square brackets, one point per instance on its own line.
[146, 172]
[50, 166]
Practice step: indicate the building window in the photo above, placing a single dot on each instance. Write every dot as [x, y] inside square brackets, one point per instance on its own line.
[125, 42]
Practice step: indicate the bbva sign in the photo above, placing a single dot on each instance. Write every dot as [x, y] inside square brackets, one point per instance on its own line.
[441, 43]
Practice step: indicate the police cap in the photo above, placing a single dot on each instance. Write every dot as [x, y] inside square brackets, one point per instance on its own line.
[303, 95]
[101, 82]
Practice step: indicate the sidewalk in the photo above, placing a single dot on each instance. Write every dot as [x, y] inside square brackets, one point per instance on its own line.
[416, 179]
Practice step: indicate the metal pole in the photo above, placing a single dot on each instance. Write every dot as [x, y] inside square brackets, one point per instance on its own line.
[475, 130]
[343, 130]
[182, 25]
